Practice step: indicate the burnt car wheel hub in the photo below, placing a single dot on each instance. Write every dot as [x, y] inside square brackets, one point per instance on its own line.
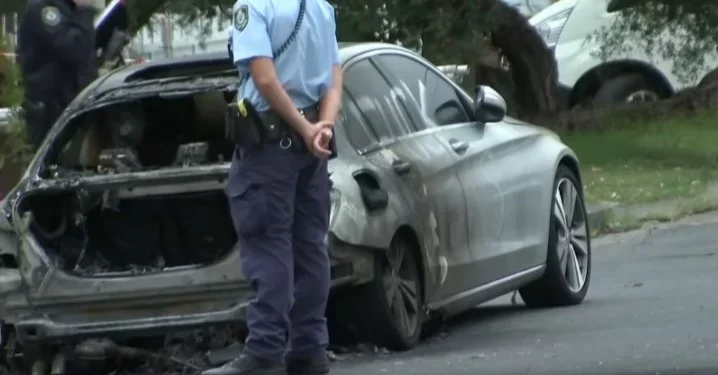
[572, 234]
[401, 287]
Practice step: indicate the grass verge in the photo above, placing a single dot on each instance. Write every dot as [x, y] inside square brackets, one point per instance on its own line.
[629, 219]
[665, 160]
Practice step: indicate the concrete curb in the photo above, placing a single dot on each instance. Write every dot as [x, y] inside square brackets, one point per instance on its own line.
[602, 215]
[599, 215]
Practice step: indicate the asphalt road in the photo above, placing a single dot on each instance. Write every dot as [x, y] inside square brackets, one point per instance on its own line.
[652, 309]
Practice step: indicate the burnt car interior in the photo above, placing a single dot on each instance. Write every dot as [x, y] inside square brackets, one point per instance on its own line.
[148, 134]
[137, 229]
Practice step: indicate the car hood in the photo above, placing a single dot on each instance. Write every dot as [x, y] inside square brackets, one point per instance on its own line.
[536, 128]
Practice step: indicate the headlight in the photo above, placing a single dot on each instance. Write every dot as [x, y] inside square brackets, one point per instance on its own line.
[550, 28]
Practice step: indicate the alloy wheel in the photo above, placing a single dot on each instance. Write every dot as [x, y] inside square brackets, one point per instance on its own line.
[572, 234]
[642, 96]
[401, 286]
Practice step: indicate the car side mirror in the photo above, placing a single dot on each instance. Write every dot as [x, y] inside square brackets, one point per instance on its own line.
[489, 105]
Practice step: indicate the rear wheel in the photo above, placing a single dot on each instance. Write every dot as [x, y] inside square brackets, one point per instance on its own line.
[389, 310]
[568, 260]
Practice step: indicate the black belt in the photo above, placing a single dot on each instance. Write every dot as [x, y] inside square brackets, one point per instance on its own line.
[247, 128]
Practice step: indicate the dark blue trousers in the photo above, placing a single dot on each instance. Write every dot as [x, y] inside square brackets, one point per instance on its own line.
[279, 200]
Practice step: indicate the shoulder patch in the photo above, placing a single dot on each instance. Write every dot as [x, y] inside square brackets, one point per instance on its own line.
[51, 16]
[241, 17]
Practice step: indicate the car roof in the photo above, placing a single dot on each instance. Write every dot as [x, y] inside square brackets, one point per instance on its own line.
[215, 60]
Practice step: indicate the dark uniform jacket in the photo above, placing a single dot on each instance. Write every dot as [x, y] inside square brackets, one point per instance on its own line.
[56, 51]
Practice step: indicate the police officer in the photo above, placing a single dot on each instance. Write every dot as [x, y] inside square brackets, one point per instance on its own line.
[279, 195]
[56, 53]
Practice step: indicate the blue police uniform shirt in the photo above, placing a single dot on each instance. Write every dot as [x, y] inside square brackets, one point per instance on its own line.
[305, 68]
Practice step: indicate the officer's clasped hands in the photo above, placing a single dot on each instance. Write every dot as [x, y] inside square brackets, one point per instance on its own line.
[317, 138]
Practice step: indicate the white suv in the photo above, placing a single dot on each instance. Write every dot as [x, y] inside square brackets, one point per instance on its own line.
[584, 77]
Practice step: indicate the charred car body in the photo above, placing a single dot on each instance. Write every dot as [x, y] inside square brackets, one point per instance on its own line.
[120, 226]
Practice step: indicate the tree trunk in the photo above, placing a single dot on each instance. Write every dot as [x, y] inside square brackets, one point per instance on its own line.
[532, 64]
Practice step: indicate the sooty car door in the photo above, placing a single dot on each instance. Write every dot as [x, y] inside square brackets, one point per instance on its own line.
[500, 192]
[420, 164]
[478, 158]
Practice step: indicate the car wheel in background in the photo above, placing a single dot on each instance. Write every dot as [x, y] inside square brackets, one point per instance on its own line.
[568, 260]
[709, 79]
[629, 88]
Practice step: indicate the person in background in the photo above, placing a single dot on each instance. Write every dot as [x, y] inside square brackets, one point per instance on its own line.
[56, 55]
[278, 191]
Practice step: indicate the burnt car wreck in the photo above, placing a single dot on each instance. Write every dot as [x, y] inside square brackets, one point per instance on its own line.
[126, 189]
[117, 247]
[121, 230]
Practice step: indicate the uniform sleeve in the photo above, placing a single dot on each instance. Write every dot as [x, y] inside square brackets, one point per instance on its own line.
[250, 36]
[66, 35]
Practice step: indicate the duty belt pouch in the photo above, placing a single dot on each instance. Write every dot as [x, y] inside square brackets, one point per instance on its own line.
[243, 126]
[333, 146]
[274, 128]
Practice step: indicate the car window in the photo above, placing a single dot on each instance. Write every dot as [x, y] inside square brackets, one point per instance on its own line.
[377, 101]
[437, 99]
[355, 124]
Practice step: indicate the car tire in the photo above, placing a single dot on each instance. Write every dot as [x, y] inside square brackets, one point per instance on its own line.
[561, 284]
[375, 317]
[620, 89]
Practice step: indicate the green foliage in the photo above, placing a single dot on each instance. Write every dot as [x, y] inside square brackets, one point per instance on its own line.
[445, 31]
[450, 32]
[191, 13]
[683, 32]
[12, 6]
[13, 144]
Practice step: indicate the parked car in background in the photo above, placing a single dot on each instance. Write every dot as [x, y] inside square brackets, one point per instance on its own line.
[120, 227]
[529, 7]
[584, 78]
[4, 117]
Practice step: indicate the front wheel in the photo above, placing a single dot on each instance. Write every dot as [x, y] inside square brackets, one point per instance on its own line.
[568, 259]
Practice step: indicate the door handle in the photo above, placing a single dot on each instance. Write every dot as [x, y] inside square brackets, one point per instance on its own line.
[458, 146]
[401, 167]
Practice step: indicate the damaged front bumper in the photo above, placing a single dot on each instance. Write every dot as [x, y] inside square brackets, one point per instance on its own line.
[45, 304]
[50, 305]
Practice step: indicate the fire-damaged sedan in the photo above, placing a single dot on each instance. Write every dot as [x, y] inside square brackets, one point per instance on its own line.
[120, 226]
